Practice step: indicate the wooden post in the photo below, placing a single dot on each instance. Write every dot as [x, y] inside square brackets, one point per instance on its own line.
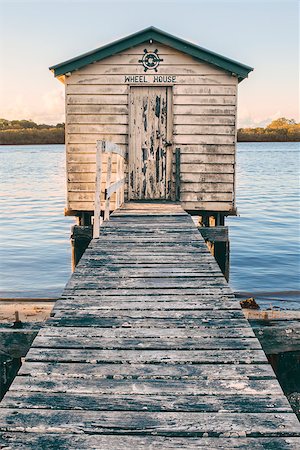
[177, 174]
[80, 238]
[108, 178]
[217, 241]
[97, 218]
[122, 187]
[118, 192]
[221, 254]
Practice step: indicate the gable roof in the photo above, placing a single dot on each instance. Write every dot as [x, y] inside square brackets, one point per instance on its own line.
[200, 53]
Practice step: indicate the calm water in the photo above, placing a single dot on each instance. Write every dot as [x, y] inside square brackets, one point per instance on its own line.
[35, 249]
[265, 238]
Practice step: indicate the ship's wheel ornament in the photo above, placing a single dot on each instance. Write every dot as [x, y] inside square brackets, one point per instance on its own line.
[150, 60]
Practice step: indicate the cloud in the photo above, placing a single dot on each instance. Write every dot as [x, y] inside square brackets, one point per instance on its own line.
[49, 108]
[18, 109]
[53, 106]
[246, 119]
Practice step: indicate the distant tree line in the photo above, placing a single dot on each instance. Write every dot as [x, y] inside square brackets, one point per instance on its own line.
[280, 130]
[22, 132]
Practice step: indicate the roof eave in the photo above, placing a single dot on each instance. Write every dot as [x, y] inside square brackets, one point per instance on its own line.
[231, 66]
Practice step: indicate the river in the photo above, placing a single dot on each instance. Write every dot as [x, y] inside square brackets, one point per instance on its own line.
[35, 249]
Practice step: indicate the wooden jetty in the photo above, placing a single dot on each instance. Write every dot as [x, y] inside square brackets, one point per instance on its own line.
[147, 348]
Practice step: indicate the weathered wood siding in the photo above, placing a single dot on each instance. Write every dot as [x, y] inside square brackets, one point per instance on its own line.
[204, 124]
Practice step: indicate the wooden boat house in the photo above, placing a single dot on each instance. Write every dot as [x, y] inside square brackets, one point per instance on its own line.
[171, 105]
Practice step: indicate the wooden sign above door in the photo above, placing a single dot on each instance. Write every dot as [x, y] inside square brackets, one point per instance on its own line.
[150, 79]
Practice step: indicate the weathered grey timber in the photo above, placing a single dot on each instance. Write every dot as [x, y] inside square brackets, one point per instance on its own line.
[147, 348]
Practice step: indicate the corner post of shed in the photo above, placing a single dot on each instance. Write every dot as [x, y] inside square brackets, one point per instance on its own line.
[215, 234]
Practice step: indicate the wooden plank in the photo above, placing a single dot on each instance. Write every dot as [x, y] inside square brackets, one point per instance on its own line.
[209, 149]
[278, 336]
[150, 283]
[92, 138]
[182, 230]
[208, 206]
[164, 207]
[116, 387]
[207, 196]
[114, 187]
[142, 268]
[207, 167]
[206, 177]
[210, 298]
[207, 158]
[88, 158]
[94, 89]
[204, 100]
[65, 441]
[98, 119]
[135, 293]
[148, 371]
[203, 129]
[145, 356]
[203, 119]
[144, 343]
[149, 302]
[99, 109]
[160, 423]
[165, 333]
[126, 321]
[207, 187]
[111, 147]
[195, 246]
[204, 138]
[161, 314]
[189, 254]
[88, 128]
[194, 89]
[133, 272]
[97, 99]
[213, 296]
[214, 234]
[123, 228]
[102, 401]
[213, 110]
[132, 235]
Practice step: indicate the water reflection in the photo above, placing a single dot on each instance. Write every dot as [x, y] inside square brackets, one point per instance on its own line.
[35, 249]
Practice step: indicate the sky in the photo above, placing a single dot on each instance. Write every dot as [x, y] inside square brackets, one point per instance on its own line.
[263, 34]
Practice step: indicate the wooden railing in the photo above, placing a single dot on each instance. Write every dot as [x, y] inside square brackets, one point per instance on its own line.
[110, 188]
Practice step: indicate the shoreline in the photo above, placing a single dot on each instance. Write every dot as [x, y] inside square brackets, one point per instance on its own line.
[30, 309]
[63, 143]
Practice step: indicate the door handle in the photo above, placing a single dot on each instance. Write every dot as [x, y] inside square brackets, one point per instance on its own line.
[167, 143]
